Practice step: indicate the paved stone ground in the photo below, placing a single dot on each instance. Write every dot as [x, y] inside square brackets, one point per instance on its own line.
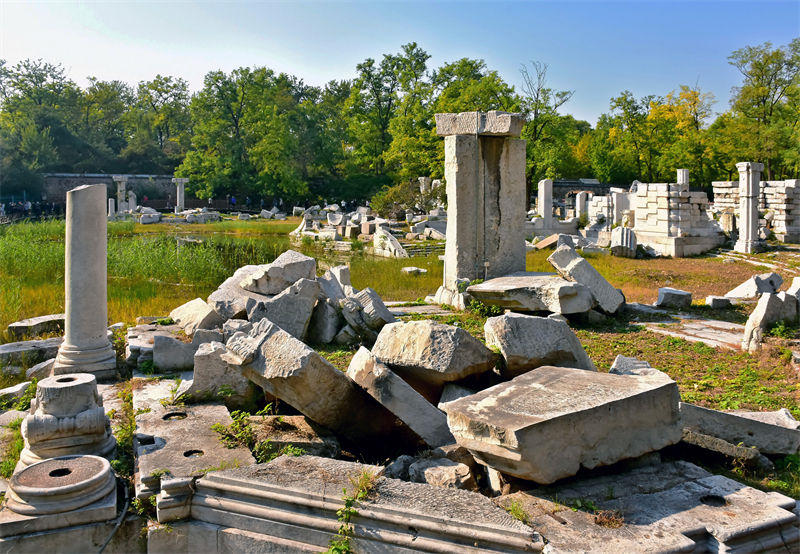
[715, 333]
[397, 309]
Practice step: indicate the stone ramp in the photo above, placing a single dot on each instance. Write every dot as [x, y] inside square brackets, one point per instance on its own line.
[714, 333]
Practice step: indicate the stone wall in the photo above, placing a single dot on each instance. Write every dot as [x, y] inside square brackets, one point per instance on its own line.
[671, 209]
[781, 198]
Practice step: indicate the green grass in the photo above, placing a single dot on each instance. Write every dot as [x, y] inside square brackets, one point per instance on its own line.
[13, 448]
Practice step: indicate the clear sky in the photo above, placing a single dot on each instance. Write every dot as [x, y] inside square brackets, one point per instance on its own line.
[595, 48]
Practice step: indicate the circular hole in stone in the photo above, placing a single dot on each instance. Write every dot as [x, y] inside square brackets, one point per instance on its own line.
[714, 500]
[174, 415]
[193, 453]
[65, 379]
[60, 472]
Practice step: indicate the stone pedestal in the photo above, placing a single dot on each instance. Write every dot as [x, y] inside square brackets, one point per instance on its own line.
[180, 185]
[544, 202]
[66, 418]
[683, 177]
[749, 183]
[111, 208]
[86, 347]
[582, 204]
[485, 176]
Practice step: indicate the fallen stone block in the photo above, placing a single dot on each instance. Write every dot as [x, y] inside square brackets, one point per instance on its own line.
[29, 352]
[673, 298]
[36, 326]
[768, 438]
[230, 300]
[290, 310]
[623, 242]
[533, 292]
[41, 370]
[352, 312]
[171, 354]
[326, 322]
[527, 342]
[624, 365]
[664, 507]
[571, 266]
[718, 302]
[202, 336]
[452, 391]
[547, 242]
[196, 314]
[432, 352]
[400, 398]
[285, 270]
[386, 245]
[298, 498]
[233, 326]
[748, 456]
[595, 418]
[139, 341]
[441, 472]
[374, 311]
[412, 270]
[770, 309]
[347, 335]
[15, 392]
[216, 379]
[756, 286]
[275, 433]
[331, 287]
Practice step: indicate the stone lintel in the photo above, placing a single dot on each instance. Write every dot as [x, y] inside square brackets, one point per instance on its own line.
[492, 123]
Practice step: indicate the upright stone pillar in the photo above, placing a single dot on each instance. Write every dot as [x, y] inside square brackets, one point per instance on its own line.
[132, 202]
[485, 179]
[86, 348]
[749, 184]
[180, 184]
[683, 177]
[111, 208]
[121, 181]
[582, 204]
[544, 202]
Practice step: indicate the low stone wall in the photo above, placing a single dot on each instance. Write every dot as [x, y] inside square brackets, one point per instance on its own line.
[782, 198]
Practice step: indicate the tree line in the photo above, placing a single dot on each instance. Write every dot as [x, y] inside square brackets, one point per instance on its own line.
[264, 134]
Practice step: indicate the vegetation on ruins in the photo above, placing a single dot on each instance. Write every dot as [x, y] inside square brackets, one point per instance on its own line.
[14, 443]
[254, 132]
[362, 485]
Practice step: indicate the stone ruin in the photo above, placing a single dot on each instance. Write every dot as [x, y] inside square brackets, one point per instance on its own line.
[463, 446]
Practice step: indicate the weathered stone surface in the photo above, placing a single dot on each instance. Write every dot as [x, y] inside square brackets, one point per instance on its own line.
[296, 431]
[41, 370]
[771, 308]
[594, 418]
[452, 391]
[202, 336]
[441, 472]
[534, 292]
[673, 298]
[290, 310]
[342, 274]
[171, 354]
[374, 311]
[233, 326]
[9, 394]
[215, 378]
[140, 339]
[286, 269]
[29, 351]
[326, 322]
[400, 398]
[347, 335]
[432, 352]
[571, 266]
[196, 314]
[285, 367]
[527, 342]
[624, 365]
[492, 123]
[331, 287]
[748, 456]
[623, 242]
[664, 507]
[385, 244]
[766, 437]
[757, 285]
[781, 418]
[718, 302]
[35, 326]
[413, 270]
[398, 469]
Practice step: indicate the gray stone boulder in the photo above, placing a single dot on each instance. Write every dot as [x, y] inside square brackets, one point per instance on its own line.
[441, 472]
[196, 314]
[623, 242]
[290, 310]
[527, 342]
[756, 286]
[573, 267]
[41, 370]
[432, 353]
[326, 322]
[287, 269]
[230, 300]
[718, 302]
[770, 309]
[216, 379]
[233, 326]
[171, 354]
[673, 298]
[28, 352]
[366, 313]
[534, 292]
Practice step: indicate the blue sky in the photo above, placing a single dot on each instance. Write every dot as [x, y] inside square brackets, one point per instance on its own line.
[597, 49]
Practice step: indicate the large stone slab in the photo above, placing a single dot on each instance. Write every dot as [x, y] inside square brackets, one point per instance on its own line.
[431, 352]
[756, 286]
[216, 379]
[35, 326]
[196, 314]
[573, 267]
[230, 300]
[527, 342]
[492, 123]
[663, 507]
[768, 437]
[771, 308]
[673, 298]
[589, 419]
[290, 310]
[397, 396]
[29, 352]
[296, 499]
[288, 369]
[533, 292]
[286, 269]
[171, 354]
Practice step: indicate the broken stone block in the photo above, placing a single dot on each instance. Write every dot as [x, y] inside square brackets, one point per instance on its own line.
[385, 244]
[326, 321]
[770, 309]
[756, 286]
[527, 342]
[352, 312]
[298, 498]
[624, 365]
[331, 288]
[208, 335]
[623, 242]
[595, 418]
[412, 270]
[664, 507]
[718, 302]
[29, 352]
[342, 275]
[35, 326]
[452, 391]
[290, 310]
[374, 311]
[196, 314]
[230, 300]
[233, 326]
[285, 270]
[288, 369]
[41, 370]
[769, 438]
[347, 335]
[441, 472]
[573, 267]
[533, 292]
[431, 352]
[750, 457]
[398, 469]
[171, 354]
[14, 392]
[673, 298]
[782, 417]
[214, 378]
[278, 432]
[400, 398]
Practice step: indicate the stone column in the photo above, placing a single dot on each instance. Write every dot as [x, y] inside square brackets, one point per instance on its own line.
[132, 202]
[544, 202]
[749, 184]
[121, 181]
[111, 208]
[683, 177]
[86, 348]
[180, 184]
[485, 180]
[582, 204]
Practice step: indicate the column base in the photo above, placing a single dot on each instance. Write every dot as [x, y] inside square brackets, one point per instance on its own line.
[457, 300]
[101, 362]
[748, 247]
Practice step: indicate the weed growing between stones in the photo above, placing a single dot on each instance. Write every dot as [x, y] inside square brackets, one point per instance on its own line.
[23, 403]
[13, 449]
[609, 518]
[238, 433]
[516, 511]
[363, 483]
[124, 431]
[783, 330]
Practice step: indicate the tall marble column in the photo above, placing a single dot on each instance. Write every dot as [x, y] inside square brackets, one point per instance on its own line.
[121, 181]
[544, 202]
[111, 208]
[180, 191]
[86, 348]
[582, 204]
[683, 177]
[749, 184]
